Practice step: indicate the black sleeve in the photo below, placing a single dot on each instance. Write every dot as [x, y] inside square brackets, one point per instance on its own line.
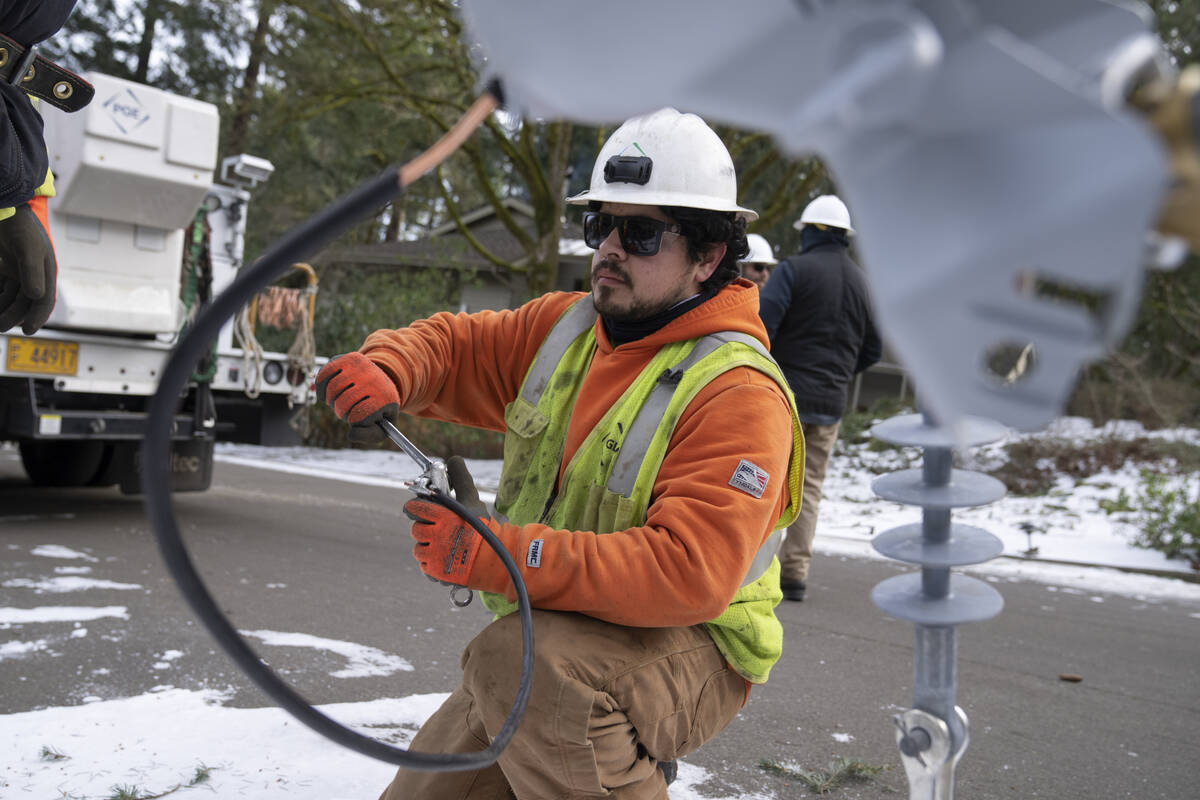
[776, 297]
[872, 348]
[23, 160]
[31, 21]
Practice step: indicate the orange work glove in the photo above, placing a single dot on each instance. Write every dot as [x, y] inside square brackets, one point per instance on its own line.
[28, 269]
[446, 545]
[360, 393]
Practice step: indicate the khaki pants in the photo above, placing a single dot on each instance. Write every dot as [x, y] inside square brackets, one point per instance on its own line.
[608, 702]
[795, 554]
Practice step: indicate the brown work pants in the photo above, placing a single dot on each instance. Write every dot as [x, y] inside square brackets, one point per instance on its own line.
[608, 703]
[795, 554]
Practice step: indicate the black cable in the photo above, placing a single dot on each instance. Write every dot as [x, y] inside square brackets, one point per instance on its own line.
[298, 244]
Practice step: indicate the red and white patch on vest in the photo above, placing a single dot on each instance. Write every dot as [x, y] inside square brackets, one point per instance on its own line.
[750, 478]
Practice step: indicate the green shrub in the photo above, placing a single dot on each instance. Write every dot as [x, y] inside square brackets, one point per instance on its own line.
[1032, 465]
[1120, 505]
[1026, 472]
[840, 773]
[434, 439]
[1169, 519]
[354, 302]
[856, 425]
[445, 439]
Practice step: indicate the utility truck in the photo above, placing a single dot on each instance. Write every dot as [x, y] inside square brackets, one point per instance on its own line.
[144, 237]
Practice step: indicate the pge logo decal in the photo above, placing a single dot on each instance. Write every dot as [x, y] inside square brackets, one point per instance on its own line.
[126, 111]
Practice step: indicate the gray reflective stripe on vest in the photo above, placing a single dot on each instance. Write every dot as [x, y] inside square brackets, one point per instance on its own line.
[762, 559]
[579, 318]
[649, 418]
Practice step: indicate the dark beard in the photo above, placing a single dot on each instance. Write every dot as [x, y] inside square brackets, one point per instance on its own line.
[602, 296]
[632, 313]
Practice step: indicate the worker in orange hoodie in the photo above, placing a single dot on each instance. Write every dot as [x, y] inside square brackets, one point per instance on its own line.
[641, 514]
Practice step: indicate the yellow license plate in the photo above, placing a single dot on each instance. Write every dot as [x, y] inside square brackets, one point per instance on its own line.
[43, 356]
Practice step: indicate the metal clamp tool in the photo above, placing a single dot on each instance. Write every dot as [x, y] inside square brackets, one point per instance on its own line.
[433, 473]
[433, 479]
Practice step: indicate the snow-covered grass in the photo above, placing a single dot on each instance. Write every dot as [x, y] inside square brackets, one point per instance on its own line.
[1068, 524]
[157, 741]
[82, 751]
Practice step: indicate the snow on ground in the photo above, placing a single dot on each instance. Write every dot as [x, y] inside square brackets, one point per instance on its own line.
[173, 738]
[82, 751]
[58, 551]
[1068, 524]
[25, 616]
[363, 661]
[68, 583]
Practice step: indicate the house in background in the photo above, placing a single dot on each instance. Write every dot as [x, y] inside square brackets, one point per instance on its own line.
[446, 248]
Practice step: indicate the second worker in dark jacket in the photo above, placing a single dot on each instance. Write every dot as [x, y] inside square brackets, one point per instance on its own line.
[817, 311]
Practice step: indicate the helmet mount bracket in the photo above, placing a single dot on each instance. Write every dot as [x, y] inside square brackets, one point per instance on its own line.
[628, 169]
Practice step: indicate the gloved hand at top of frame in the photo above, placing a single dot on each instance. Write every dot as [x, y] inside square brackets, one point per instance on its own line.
[360, 393]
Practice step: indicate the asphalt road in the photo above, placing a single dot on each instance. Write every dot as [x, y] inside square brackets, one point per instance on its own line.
[290, 553]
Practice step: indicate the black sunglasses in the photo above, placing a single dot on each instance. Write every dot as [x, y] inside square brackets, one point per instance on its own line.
[640, 236]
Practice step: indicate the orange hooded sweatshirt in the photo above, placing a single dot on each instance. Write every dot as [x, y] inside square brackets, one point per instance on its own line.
[683, 566]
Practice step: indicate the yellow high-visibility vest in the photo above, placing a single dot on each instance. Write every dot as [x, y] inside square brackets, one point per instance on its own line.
[605, 493]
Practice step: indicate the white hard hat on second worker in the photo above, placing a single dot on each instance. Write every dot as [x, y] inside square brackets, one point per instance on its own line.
[665, 159]
[760, 251]
[825, 210]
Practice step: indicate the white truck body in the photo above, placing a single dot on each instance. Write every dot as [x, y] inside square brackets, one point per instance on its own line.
[131, 170]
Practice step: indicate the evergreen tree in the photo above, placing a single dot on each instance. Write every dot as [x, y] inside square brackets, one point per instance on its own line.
[190, 47]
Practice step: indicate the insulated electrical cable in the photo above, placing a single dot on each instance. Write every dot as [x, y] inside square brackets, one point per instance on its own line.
[295, 246]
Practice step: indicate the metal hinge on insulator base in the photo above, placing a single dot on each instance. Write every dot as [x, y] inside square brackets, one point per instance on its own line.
[933, 734]
[925, 749]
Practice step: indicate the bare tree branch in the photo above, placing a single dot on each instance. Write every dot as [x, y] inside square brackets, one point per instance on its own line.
[452, 208]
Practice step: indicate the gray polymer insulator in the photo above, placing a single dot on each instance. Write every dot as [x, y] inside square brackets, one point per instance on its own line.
[934, 733]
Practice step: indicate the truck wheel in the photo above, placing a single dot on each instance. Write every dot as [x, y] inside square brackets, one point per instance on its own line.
[68, 462]
[108, 472]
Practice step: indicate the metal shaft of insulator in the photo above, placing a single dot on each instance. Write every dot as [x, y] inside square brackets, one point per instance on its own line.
[934, 733]
[935, 522]
[935, 675]
[935, 651]
[937, 465]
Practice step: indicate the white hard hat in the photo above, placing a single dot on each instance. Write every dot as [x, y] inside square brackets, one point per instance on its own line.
[665, 159]
[826, 210]
[760, 251]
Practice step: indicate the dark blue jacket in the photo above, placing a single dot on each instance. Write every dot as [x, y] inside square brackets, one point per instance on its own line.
[817, 312]
[23, 160]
